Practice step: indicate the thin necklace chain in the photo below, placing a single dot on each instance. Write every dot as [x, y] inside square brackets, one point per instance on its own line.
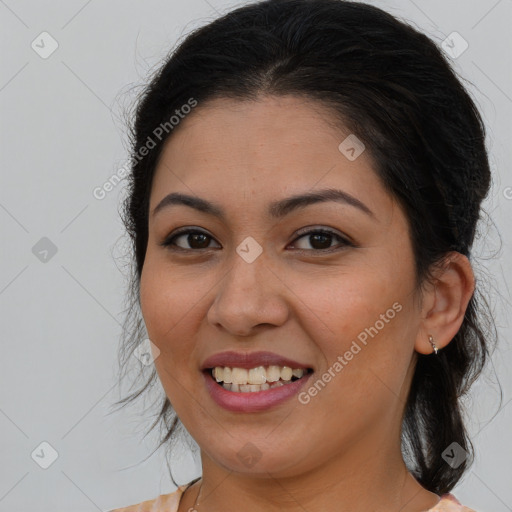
[197, 497]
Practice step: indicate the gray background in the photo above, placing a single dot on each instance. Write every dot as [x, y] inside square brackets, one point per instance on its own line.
[62, 136]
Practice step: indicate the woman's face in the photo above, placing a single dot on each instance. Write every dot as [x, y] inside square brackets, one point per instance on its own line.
[340, 304]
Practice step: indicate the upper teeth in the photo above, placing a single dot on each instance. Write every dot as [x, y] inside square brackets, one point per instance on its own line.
[258, 375]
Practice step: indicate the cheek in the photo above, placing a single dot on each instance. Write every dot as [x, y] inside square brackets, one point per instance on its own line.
[366, 318]
[162, 311]
[152, 298]
[165, 305]
[173, 306]
[166, 298]
[343, 304]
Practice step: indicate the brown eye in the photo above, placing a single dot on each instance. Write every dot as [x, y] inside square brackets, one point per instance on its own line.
[321, 240]
[195, 239]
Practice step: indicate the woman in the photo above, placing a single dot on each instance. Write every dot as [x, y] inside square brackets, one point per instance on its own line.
[307, 177]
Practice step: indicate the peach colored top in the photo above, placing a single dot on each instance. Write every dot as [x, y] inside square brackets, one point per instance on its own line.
[170, 503]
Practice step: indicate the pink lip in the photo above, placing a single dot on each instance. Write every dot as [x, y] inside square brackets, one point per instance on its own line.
[249, 360]
[254, 401]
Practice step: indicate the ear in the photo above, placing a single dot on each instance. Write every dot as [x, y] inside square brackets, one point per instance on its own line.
[444, 302]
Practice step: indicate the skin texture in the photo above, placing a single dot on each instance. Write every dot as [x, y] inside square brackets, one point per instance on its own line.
[340, 451]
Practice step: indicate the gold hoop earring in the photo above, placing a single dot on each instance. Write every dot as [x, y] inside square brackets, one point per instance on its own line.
[432, 343]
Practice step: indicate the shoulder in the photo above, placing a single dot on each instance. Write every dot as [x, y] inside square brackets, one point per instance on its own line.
[449, 503]
[164, 503]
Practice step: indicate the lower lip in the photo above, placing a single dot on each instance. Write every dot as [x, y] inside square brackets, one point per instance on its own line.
[254, 401]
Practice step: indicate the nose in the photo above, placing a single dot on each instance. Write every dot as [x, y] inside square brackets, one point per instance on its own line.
[248, 297]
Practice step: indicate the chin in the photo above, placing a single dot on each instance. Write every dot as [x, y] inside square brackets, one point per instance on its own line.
[247, 459]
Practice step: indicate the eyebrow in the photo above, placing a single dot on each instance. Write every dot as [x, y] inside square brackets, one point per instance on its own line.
[276, 209]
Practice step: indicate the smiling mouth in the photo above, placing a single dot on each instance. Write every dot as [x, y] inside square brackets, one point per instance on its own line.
[256, 379]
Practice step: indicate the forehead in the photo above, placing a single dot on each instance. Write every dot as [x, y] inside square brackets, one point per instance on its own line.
[267, 148]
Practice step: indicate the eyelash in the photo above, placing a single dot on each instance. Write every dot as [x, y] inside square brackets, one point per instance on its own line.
[168, 242]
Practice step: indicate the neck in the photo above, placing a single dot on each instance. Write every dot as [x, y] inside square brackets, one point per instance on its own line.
[357, 481]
